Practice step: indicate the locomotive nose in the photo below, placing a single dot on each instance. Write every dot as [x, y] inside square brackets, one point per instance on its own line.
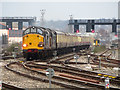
[40, 44]
[30, 43]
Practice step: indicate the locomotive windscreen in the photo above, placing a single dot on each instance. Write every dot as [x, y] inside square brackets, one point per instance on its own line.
[26, 31]
[33, 30]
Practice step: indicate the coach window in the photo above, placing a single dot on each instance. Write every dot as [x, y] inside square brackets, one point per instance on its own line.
[39, 31]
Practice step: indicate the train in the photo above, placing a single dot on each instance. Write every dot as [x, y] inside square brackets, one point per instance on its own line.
[40, 42]
[96, 42]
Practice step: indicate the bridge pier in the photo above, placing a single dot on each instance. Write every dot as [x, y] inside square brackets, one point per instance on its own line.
[20, 21]
[9, 25]
[88, 26]
[114, 25]
[30, 23]
[91, 23]
[20, 25]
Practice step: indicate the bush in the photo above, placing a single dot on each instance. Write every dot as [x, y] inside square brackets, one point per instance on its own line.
[99, 48]
[12, 47]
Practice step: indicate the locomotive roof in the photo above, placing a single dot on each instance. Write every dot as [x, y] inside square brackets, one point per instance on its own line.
[58, 32]
[51, 30]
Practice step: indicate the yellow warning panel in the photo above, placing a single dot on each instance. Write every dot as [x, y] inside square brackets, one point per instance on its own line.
[110, 76]
[99, 74]
[113, 77]
[21, 61]
[105, 75]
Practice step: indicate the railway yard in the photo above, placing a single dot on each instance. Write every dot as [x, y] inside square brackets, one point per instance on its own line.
[20, 74]
[66, 45]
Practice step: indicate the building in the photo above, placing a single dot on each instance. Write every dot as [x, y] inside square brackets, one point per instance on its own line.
[13, 36]
[3, 32]
[3, 35]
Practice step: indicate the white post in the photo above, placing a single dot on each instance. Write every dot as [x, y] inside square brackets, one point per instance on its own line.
[49, 80]
[99, 62]
[49, 74]
[76, 61]
[107, 84]
[88, 59]
[1, 76]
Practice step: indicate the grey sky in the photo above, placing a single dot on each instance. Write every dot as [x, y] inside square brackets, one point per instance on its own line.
[61, 10]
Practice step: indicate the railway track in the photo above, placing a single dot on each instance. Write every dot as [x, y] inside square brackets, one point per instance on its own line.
[66, 72]
[70, 57]
[73, 71]
[10, 87]
[44, 78]
[96, 61]
[106, 61]
[68, 82]
[104, 58]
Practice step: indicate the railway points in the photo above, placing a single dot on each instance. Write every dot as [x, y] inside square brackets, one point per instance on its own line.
[10, 87]
[73, 60]
[57, 77]
[66, 61]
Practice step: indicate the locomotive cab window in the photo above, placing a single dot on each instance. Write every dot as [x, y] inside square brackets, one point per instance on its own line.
[39, 31]
[33, 30]
[98, 41]
[26, 31]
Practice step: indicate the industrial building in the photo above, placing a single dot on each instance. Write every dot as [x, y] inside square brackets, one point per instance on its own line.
[13, 27]
[12, 36]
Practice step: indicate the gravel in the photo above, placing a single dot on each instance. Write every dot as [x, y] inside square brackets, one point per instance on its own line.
[44, 77]
[24, 82]
[20, 81]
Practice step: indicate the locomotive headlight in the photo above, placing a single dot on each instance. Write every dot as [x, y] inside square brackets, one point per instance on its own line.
[40, 44]
[24, 45]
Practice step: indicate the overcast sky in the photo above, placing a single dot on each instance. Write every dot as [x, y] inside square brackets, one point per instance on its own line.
[60, 10]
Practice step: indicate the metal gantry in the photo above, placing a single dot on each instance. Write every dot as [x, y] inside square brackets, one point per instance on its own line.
[20, 21]
[90, 23]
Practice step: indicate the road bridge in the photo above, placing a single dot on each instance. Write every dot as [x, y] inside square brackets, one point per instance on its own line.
[90, 23]
[20, 21]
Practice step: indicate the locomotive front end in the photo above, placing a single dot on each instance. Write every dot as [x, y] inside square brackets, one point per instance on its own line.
[33, 42]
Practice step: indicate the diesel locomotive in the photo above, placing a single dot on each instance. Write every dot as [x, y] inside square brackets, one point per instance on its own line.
[39, 42]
